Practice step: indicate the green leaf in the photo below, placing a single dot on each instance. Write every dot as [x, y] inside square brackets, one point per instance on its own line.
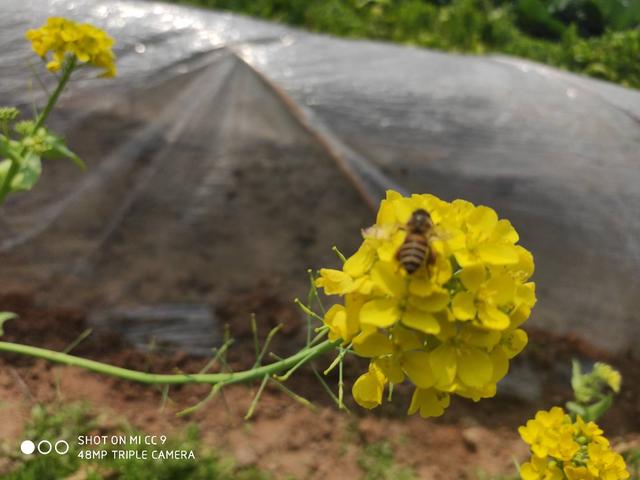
[576, 374]
[60, 150]
[4, 316]
[28, 174]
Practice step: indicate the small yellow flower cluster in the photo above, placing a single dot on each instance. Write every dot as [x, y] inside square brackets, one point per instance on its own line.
[608, 375]
[562, 449]
[87, 43]
[450, 327]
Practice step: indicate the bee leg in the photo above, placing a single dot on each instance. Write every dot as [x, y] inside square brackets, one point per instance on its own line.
[431, 258]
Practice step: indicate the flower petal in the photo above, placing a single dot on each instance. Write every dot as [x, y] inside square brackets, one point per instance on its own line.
[483, 219]
[386, 212]
[492, 317]
[434, 303]
[502, 289]
[421, 285]
[336, 320]
[371, 343]
[335, 282]
[505, 232]
[498, 254]
[444, 364]
[472, 277]
[381, 312]
[386, 277]
[478, 337]
[391, 369]
[360, 262]
[422, 321]
[416, 366]
[526, 294]
[500, 363]
[514, 342]
[429, 402]
[368, 388]
[406, 338]
[474, 367]
[463, 306]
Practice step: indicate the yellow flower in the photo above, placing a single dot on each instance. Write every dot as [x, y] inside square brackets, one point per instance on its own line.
[371, 343]
[540, 469]
[368, 388]
[469, 366]
[605, 463]
[577, 450]
[581, 472]
[488, 240]
[429, 402]
[451, 326]
[343, 320]
[62, 37]
[590, 431]
[550, 433]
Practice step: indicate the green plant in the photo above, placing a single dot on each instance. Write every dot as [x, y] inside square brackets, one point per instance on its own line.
[632, 458]
[547, 31]
[377, 461]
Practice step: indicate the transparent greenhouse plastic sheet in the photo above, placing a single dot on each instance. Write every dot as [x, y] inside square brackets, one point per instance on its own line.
[231, 152]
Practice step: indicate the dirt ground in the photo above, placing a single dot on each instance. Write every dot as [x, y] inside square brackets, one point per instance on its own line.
[285, 437]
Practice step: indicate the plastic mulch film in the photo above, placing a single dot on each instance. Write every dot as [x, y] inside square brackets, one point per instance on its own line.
[231, 153]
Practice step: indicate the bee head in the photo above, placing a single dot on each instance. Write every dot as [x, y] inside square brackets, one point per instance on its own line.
[420, 220]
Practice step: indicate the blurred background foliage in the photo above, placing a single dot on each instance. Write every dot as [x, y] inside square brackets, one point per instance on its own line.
[600, 38]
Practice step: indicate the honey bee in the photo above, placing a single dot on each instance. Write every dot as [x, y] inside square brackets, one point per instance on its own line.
[415, 250]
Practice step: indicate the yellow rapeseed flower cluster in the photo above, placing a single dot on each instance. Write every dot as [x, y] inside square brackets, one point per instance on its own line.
[566, 450]
[87, 43]
[450, 327]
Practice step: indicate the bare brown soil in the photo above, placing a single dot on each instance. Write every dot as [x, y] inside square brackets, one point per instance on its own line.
[284, 436]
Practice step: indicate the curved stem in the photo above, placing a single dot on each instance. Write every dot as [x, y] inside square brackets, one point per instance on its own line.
[307, 354]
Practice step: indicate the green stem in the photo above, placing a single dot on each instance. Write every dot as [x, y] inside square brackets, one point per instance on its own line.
[338, 359]
[267, 342]
[66, 75]
[256, 399]
[6, 185]
[306, 354]
[70, 65]
[306, 359]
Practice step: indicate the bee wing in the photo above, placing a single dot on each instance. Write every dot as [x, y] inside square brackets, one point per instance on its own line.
[380, 232]
[438, 233]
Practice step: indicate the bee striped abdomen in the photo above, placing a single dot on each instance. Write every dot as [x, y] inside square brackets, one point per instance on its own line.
[413, 252]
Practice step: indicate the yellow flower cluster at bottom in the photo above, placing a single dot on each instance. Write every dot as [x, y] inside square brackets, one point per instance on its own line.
[566, 450]
[449, 326]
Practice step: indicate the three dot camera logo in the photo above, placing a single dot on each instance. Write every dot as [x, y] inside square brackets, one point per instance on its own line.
[44, 447]
[122, 447]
